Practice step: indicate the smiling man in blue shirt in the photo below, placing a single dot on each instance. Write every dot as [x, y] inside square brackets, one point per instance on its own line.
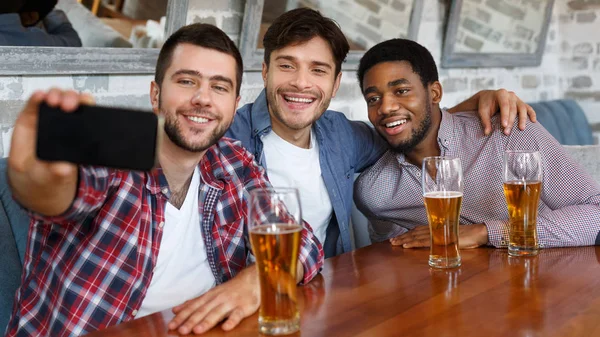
[302, 144]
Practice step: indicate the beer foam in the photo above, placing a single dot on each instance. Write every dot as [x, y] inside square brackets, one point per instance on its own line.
[276, 228]
[443, 194]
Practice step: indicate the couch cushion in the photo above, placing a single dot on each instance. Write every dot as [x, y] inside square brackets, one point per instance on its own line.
[565, 121]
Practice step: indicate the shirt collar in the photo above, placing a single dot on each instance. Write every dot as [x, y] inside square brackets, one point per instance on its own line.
[212, 173]
[157, 182]
[261, 120]
[445, 136]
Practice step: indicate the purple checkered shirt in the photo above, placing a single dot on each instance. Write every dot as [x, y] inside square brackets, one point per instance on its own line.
[390, 193]
[90, 268]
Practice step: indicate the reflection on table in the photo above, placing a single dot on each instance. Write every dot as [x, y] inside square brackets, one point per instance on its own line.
[382, 290]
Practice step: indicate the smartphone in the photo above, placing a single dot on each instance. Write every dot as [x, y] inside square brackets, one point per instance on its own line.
[100, 136]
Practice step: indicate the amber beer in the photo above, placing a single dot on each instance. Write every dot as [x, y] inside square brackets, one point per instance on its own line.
[443, 213]
[276, 248]
[522, 198]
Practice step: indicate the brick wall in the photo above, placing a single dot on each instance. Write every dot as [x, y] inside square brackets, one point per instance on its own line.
[570, 67]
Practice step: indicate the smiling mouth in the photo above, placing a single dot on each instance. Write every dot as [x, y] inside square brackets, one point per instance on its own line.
[396, 123]
[293, 99]
[197, 119]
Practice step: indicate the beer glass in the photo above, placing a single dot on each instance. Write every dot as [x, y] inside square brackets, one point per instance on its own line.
[275, 225]
[522, 186]
[442, 193]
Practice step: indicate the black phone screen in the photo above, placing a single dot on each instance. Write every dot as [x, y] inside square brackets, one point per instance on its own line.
[92, 135]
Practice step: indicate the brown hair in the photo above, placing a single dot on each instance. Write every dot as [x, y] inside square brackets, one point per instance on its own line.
[202, 35]
[300, 25]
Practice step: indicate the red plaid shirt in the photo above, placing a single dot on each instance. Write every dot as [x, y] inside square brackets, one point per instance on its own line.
[90, 268]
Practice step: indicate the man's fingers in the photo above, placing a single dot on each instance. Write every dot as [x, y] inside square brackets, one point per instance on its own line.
[70, 100]
[54, 97]
[523, 116]
[485, 106]
[234, 319]
[401, 239]
[531, 113]
[87, 99]
[31, 107]
[513, 109]
[417, 243]
[199, 306]
[417, 234]
[503, 98]
[211, 319]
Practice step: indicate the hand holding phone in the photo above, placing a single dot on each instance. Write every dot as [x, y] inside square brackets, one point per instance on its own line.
[92, 135]
[44, 187]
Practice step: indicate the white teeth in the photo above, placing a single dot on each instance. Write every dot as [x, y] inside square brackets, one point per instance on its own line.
[396, 123]
[197, 119]
[298, 99]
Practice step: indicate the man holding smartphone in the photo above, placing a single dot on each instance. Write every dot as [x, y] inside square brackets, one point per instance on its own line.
[302, 144]
[107, 245]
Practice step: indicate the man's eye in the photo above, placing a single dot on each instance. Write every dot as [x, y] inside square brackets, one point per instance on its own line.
[285, 66]
[372, 100]
[185, 82]
[220, 88]
[402, 91]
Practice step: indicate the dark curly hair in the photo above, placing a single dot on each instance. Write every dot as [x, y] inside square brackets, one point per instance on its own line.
[42, 7]
[400, 50]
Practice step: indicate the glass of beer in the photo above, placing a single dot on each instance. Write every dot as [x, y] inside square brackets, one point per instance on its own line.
[275, 225]
[443, 192]
[522, 188]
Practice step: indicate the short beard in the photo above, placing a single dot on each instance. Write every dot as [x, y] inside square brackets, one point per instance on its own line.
[275, 109]
[417, 135]
[173, 131]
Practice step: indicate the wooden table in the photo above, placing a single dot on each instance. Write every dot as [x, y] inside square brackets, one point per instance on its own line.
[382, 290]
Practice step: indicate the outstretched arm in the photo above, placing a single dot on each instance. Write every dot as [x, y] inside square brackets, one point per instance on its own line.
[46, 188]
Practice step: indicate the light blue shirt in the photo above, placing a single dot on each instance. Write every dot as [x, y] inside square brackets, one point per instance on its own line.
[345, 148]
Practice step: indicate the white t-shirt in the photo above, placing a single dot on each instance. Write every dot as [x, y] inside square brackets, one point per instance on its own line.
[292, 166]
[182, 271]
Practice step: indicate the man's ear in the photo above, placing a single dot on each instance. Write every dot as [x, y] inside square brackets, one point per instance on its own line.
[435, 92]
[265, 70]
[237, 102]
[155, 96]
[336, 84]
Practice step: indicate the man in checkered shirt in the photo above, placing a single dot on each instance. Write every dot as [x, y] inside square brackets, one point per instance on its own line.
[107, 246]
[399, 81]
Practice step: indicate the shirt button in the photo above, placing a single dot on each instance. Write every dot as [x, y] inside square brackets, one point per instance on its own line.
[161, 225]
[165, 190]
[445, 141]
[134, 313]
